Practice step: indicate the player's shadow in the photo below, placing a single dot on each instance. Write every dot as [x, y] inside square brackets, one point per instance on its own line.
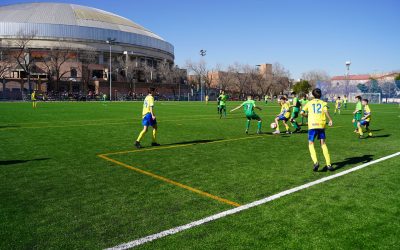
[192, 142]
[376, 130]
[13, 162]
[352, 160]
[378, 136]
[8, 126]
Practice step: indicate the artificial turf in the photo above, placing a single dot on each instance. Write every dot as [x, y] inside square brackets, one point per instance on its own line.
[57, 193]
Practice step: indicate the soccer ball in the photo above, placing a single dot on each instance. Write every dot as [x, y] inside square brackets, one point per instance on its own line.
[273, 125]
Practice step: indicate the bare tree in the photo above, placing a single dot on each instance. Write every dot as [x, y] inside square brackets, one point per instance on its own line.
[279, 79]
[131, 69]
[225, 79]
[23, 56]
[315, 76]
[86, 59]
[242, 76]
[54, 63]
[5, 62]
[200, 69]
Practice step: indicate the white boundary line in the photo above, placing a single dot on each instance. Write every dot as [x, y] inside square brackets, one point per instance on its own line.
[178, 229]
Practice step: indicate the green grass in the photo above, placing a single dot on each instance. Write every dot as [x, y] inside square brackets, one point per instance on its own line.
[57, 193]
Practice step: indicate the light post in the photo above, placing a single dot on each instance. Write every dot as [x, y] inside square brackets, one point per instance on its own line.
[110, 41]
[203, 54]
[348, 63]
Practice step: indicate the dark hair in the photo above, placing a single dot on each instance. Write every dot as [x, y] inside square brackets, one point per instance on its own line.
[338, 97]
[282, 98]
[317, 93]
[152, 89]
[358, 97]
[293, 93]
[365, 100]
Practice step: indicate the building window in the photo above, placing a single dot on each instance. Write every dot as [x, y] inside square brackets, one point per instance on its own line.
[74, 73]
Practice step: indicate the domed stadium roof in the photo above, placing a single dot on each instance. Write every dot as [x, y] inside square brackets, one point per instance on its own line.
[60, 20]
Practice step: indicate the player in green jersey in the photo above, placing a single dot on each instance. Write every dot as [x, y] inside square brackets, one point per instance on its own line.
[303, 102]
[222, 104]
[357, 114]
[249, 107]
[295, 112]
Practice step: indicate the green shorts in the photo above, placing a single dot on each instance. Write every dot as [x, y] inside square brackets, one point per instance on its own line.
[295, 113]
[357, 116]
[253, 116]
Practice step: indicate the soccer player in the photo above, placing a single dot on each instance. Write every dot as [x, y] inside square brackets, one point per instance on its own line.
[33, 99]
[303, 103]
[357, 113]
[338, 105]
[345, 101]
[283, 115]
[317, 112]
[218, 101]
[249, 107]
[149, 119]
[365, 120]
[206, 99]
[222, 104]
[295, 112]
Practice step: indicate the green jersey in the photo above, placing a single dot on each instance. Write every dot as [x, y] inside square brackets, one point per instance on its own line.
[296, 103]
[222, 101]
[249, 107]
[303, 102]
[358, 107]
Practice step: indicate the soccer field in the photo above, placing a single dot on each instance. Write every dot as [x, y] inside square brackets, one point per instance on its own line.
[70, 177]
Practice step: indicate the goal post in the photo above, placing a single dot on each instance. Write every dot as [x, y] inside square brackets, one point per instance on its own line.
[372, 97]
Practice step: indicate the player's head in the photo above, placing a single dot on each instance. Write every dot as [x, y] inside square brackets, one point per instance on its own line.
[222, 92]
[152, 90]
[338, 97]
[304, 96]
[358, 98]
[317, 93]
[293, 93]
[282, 99]
[345, 95]
[364, 102]
[249, 97]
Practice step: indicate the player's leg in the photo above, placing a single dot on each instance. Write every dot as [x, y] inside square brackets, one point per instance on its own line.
[293, 121]
[325, 151]
[311, 148]
[357, 118]
[335, 110]
[140, 137]
[259, 123]
[286, 126]
[359, 127]
[247, 125]
[277, 130]
[224, 110]
[154, 137]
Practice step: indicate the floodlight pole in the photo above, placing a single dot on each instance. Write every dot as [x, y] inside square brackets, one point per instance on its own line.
[203, 54]
[110, 42]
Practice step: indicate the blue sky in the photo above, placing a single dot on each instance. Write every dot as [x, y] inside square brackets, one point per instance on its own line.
[302, 35]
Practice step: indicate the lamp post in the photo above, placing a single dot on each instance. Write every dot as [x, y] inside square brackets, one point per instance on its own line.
[348, 63]
[203, 54]
[110, 41]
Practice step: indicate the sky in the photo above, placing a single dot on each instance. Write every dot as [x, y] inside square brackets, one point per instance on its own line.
[301, 35]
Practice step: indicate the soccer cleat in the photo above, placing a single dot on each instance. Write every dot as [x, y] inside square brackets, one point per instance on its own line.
[137, 144]
[315, 167]
[247, 132]
[288, 132]
[276, 132]
[330, 168]
[155, 144]
[258, 132]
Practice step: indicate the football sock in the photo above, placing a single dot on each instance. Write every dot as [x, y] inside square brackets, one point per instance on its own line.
[154, 135]
[247, 124]
[287, 127]
[360, 131]
[259, 125]
[326, 154]
[141, 135]
[295, 125]
[313, 153]
[277, 126]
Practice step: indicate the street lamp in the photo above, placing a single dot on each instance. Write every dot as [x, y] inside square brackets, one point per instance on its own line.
[110, 41]
[203, 54]
[348, 63]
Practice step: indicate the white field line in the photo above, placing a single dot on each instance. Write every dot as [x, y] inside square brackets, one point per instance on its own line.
[178, 229]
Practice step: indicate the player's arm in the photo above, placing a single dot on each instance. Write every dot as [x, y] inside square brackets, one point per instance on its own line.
[256, 107]
[304, 111]
[366, 116]
[238, 107]
[328, 115]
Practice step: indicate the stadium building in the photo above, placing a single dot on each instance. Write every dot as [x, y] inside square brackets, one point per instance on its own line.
[58, 47]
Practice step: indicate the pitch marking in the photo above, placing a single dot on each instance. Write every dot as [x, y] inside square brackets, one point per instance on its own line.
[159, 177]
[217, 216]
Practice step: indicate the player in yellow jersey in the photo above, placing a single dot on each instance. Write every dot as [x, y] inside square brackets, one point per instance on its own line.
[283, 116]
[33, 99]
[317, 113]
[365, 120]
[338, 105]
[149, 119]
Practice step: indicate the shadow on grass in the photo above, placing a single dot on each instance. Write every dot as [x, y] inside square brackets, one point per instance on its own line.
[352, 160]
[12, 162]
[192, 142]
[8, 126]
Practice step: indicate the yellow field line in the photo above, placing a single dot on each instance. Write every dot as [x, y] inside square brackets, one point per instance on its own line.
[161, 178]
[183, 145]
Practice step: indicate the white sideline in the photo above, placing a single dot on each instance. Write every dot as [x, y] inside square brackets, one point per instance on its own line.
[178, 229]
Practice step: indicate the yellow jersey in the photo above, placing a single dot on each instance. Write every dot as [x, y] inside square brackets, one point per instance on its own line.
[345, 100]
[33, 96]
[316, 113]
[338, 103]
[367, 112]
[285, 109]
[148, 102]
